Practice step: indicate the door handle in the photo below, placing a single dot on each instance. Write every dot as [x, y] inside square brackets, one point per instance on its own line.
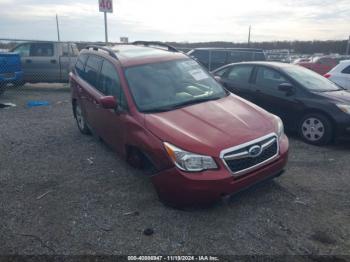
[28, 61]
[53, 61]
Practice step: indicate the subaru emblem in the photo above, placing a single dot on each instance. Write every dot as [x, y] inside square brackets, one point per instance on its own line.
[255, 151]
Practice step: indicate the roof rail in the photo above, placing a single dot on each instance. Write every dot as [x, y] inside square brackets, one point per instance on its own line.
[156, 43]
[106, 49]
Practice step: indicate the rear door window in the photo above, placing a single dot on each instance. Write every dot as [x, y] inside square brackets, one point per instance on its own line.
[240, 74]
[92, 69]
[259, 56]
[218, 59]
[41, 49]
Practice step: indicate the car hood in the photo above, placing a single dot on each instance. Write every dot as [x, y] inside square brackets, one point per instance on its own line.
[209, 127]
[338, 96]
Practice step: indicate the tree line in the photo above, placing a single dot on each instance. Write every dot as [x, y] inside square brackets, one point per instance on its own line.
[300, 47]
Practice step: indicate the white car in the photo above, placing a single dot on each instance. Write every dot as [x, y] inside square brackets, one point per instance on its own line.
[340, 74]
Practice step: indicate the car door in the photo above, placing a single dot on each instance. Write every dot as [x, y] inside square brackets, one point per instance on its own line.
[268, 96]
[90, 94]
[237, 79]
[24, 50]
[42, 63]
[112, 121]
[65, 56]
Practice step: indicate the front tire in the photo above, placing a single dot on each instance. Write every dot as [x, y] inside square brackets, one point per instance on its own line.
[316, 129]
[80, 119]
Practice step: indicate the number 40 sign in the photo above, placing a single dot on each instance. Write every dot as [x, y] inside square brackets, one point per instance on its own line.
[106, 6]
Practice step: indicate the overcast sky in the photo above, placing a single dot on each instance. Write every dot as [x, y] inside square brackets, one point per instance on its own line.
[178, 20]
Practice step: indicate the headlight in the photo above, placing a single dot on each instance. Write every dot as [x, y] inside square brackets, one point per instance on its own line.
[187, 161]
[344, 108]
[280, 127]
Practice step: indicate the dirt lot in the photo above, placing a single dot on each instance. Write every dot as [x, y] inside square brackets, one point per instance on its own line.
[65, 193]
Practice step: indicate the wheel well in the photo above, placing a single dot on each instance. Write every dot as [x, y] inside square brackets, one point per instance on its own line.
[148, 165]
[317, 111]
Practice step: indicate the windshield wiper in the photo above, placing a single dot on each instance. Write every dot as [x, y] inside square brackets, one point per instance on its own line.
[158, 110]
[179, 105]
[195, 101]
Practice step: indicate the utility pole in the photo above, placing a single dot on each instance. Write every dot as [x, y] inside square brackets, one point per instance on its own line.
[106, 6]
[348, 47]
[106, 30]
[249, 36]
[58, 29]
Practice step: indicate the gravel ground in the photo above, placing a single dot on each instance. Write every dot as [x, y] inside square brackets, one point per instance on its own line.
[65, 193]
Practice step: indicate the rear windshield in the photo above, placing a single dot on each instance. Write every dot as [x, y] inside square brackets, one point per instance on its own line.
[169, 85]
[310, 80]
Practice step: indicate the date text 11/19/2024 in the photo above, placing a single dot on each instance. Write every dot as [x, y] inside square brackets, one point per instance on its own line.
[173, 258]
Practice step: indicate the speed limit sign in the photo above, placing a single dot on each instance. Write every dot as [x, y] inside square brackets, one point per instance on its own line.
[106, 6]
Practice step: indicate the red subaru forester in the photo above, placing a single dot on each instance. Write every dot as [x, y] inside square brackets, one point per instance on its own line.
[164, 112]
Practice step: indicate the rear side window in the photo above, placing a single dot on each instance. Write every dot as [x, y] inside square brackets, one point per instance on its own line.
[92, 70]
[269, 79]
[260, 56]
[240, 74]
[41, 49]
[239, 56]
[80, 65]
[109, 83]
[346, 70]
[218, 59]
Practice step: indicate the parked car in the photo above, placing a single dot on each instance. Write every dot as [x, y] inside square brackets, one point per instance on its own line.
[213, 58]
[10, 70]
[163, 112]
[320, 65]
[47, 61]
[301, 60]
[307, 102]
[340, 74]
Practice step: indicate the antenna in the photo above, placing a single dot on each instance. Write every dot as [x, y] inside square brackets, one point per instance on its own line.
[58, 29]
[249, 36]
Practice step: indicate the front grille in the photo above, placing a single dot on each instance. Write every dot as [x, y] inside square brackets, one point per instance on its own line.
[244, 158]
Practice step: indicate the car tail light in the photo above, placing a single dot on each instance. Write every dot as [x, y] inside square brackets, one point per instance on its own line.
[327, 75]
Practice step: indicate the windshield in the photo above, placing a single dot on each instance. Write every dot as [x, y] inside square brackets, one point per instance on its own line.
[169, 85]
[310, 80]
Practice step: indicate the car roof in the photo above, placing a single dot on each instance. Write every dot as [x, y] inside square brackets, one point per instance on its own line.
[275, 65]
[132, 55]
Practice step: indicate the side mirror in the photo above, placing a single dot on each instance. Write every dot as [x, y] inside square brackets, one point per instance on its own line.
[287, 88]
[108, 102]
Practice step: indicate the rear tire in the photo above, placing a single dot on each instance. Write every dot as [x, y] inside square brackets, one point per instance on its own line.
[316, 129]
[80, 119]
